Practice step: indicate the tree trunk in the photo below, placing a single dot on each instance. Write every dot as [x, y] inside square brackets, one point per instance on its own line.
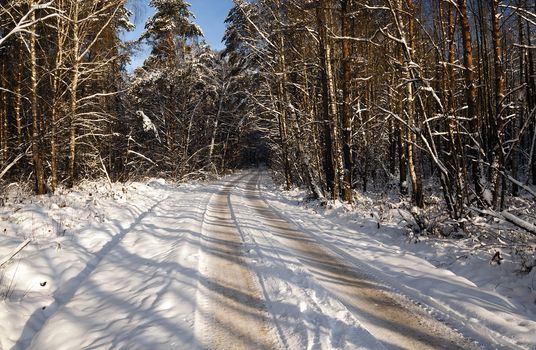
[36, 137]
[73, 93]
[215, 126]
[283, 107]
[56, 98]
[470, 96]
[3, 119]
[346, 111]
[455, 142]
[414, 163]
[402, 153]
[329, 172]
[531, 90]
[330, 99]
[497, 164]
[314, 155]
[18, 97]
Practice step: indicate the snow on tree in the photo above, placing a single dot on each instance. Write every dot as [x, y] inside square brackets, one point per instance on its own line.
[148, 124]
[168, 30]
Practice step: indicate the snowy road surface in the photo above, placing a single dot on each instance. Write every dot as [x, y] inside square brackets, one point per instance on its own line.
[221, 267]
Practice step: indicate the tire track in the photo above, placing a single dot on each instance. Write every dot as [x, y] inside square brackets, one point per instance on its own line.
[230, 311]
[397, 324]
[305, 315]
[454, 320]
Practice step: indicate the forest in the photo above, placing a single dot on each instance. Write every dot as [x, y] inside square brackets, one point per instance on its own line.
[434, 100]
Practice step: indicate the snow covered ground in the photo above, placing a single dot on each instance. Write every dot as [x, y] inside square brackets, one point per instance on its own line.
[155, 265]
[71, 234]
[494, 304]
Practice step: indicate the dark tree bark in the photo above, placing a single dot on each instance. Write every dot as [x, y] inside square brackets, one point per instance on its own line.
[346, 108]
[470, 97]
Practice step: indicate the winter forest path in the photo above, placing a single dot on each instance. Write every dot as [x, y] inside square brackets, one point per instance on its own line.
[395, 323]
[231, 313]
[219, 268]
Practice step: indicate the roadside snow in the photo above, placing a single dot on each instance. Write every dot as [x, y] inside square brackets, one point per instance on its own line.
[490, 303]
[70, 233]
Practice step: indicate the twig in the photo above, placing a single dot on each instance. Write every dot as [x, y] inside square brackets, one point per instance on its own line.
[106, 172]
[5, 170]
[15, 252]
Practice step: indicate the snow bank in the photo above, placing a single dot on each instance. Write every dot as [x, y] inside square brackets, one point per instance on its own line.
[69, 232]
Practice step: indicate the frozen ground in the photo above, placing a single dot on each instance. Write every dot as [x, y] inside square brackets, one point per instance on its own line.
[238, 264]
[455, 280]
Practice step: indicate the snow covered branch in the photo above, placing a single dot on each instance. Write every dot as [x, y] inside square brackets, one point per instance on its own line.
[26, 22]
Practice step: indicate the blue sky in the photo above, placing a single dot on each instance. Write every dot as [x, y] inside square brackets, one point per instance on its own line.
[209, 15]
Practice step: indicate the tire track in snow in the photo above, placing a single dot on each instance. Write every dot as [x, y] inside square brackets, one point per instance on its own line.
[303, 312]
[396, 323]
[230, 312]
[451, 318]
[143, 294]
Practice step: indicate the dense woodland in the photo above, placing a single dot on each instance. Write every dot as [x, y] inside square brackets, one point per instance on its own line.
[335, 95]
[69, 110]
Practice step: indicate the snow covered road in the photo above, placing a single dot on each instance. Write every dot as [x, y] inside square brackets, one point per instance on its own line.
[220, 266]
[174, 279]
[230, 311]
[395, 323]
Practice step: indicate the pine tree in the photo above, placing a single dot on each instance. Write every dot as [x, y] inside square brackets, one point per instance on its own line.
[168, 30]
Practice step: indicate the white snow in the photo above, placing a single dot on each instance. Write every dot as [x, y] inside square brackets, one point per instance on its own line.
[119, 269]
[148, 124]
[489, 303]
[73, 235]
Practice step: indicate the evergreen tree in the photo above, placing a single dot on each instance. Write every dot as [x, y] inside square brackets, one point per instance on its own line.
[169, 29]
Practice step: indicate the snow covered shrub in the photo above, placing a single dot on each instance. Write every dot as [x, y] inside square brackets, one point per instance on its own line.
[527, 257]
[425, 222]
